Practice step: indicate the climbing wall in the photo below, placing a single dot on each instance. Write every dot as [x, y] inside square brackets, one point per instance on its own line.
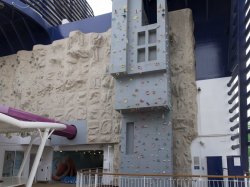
[139, 56]
[140, 66]
[67, 80]
[184, 92]
[152, 151]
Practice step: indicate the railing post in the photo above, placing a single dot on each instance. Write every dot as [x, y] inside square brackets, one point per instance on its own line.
[81, 176]
[245, 180]
[96, 179]
[235, 183]
[144, 181]
[89, 178]
[77, 179]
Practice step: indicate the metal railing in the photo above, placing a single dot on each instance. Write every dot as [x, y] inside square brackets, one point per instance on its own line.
[152, 180]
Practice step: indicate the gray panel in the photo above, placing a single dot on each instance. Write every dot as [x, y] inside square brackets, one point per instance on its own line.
[132, 43]
[119, 38]
[142, 91]
[152, 144]
[81, 137]
[148, 45]
[143, 85]
[145, 82]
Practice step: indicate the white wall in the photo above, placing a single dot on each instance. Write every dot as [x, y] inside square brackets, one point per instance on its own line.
[213, 124]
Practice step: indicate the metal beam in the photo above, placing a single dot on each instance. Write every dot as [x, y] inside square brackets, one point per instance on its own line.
[241, 58]
[235, 127]
[233, 98]
[7, 40]
[17, 34]
[234, 107]
[29, 31]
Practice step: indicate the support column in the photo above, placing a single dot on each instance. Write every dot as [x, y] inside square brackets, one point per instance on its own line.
[38, 157]
[26, 155]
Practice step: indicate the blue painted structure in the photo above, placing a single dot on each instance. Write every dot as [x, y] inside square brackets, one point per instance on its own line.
[211, 30]
[214, 167]
[19, 30]
[238, 57]
[97, 24]
[242, 30]
[21, 27]
[211, 18]
[56, 11]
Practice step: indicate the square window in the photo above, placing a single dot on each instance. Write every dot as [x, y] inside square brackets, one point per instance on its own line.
[141, 55]
[141, 38]
[152, 53]
[152, 36]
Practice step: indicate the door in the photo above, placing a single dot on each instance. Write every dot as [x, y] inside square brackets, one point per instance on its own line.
[214, 167]
[235, 169]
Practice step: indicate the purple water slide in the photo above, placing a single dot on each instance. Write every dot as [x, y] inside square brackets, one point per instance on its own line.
[70, 131]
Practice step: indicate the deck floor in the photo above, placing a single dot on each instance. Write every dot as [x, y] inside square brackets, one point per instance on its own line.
[52, 185]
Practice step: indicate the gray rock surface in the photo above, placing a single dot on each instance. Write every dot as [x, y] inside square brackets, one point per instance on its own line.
[184, 92]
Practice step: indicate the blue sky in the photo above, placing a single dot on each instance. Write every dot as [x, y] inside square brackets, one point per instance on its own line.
[100, 6]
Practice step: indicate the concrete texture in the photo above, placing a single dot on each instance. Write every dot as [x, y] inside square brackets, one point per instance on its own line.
[67, 80]
[184, 92]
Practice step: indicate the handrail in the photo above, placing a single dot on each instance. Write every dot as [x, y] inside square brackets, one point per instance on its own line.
[167, 175]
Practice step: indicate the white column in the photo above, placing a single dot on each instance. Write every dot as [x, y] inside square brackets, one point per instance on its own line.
[26, 155]
[38, 157]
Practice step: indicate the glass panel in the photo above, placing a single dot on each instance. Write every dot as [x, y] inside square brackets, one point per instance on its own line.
[9, 160]
[18, 162]
[152, 53]
[141, 38]
[141, 55]
[149, 12]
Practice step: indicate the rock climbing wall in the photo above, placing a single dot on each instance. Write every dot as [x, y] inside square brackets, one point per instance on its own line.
[152, 143]
[140, 66]
[184, 90]
[67, 80]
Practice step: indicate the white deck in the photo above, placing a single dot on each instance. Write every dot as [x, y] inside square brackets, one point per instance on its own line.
[12, 181]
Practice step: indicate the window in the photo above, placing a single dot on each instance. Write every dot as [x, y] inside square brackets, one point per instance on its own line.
[147, 46]
[12, 163]
[149, 12]
[130, 138]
